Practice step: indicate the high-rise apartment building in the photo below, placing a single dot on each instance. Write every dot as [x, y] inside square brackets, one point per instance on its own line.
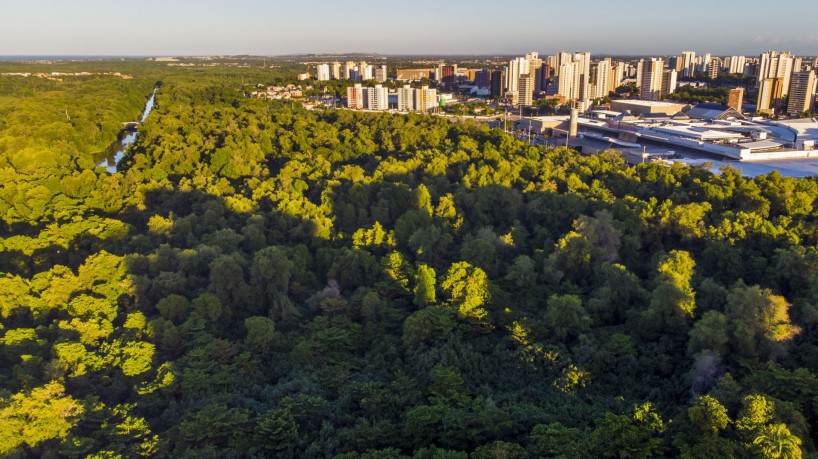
[377, 98]
[335, 70]
[365, 71]
[704, 63]
[773, 64]
[617, 76]
[525, 90]
[602, 82]
[322, 72]
[652, 75]
[545, 76]
[713, 68]
[355, 97]
[737, 64]
[343, 71]
[802, 93]
[564, 58]
[568, 80]
[584, 76]
[513, 72]
[349, 66]
[669, 77]
[498, 79]
[535, 70]
[380, 73]
[584, 59]
[425, 99]
[769, 95]
[688, 63]
[406, 98]
[482, 78]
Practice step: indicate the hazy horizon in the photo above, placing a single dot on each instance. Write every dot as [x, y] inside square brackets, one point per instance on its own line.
[253, 27]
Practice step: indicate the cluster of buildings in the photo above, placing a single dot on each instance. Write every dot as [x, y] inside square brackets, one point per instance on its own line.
[780, 77]
[351, 70]
[715, 130]
[405, 99]
[783, 77]
[784, 83]
[566, 76]
[287, 92]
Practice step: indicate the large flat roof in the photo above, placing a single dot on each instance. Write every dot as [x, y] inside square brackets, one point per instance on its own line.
[763, 144]
[648, 103]
[546, 118]
[805, 127]
[697, 132]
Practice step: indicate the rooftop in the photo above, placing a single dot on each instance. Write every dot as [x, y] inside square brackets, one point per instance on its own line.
[648, 103]
[696, 132]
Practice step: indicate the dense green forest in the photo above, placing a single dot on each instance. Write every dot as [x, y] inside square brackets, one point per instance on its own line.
[259, 280]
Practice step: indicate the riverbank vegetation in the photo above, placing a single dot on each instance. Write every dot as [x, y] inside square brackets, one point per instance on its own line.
[260, 280]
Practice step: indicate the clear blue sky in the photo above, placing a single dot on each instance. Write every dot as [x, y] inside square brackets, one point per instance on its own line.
[192, 27]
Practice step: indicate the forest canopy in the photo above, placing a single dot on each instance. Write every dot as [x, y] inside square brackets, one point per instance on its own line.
[262, 280]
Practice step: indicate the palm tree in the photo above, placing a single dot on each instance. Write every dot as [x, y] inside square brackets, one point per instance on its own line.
[776, 441]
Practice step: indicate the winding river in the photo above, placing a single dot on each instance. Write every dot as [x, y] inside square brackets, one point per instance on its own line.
[118, 149]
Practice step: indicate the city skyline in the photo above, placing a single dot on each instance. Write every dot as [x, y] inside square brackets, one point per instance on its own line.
[210, 27]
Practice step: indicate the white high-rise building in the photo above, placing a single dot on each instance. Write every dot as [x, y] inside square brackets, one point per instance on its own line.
[322, 72]
[797, 64]
[704, 65]
[533, 67]
[737, 64]
[377, 98]
[688, 63]
[355, 97]
[713, 68]
[568, 81]
[776, 65]
[564, 58]
[335, 70]
[603, 78]
[346, 69]
[515, 68]
[365, 70]
[584, 60]
[406, 98]
[652, 75]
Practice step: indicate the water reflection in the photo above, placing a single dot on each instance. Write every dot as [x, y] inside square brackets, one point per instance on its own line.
[117, 150]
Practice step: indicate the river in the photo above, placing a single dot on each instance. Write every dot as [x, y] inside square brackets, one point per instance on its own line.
[118, 149]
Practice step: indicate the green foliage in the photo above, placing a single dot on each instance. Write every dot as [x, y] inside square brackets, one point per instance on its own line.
[424, 286]
[565, 316]
[692, 95]
[46, 413]
[708, 415]
[637, 435]
[261, 280]
[466, 288]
